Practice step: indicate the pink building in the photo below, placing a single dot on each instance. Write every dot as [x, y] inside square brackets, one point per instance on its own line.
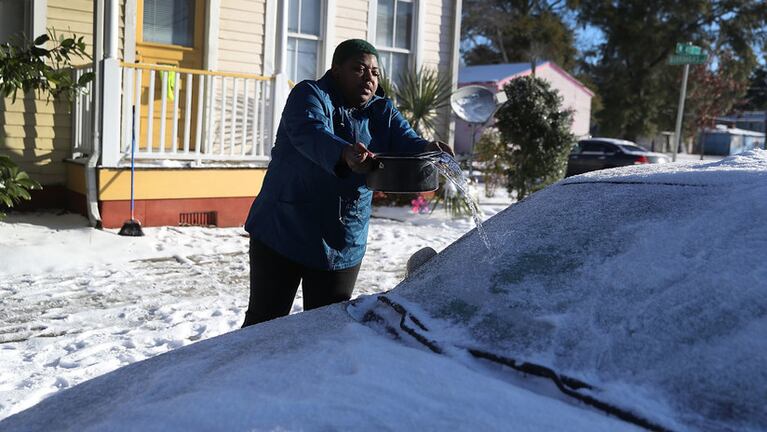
[575, 95]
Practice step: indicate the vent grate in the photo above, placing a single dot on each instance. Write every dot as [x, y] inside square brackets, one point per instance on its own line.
[197, 218]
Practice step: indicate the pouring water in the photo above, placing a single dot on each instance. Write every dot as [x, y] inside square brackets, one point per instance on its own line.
[449, 168]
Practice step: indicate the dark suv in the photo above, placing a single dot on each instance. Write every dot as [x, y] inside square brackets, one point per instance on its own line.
[599, 153]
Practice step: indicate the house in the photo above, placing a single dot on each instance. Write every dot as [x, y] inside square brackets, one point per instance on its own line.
[748, 120]
[575, 95]
[199, 85]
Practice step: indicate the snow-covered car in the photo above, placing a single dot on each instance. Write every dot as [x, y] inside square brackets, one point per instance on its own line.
[626, 299]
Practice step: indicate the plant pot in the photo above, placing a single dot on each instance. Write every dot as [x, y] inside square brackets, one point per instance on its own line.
[404, 173]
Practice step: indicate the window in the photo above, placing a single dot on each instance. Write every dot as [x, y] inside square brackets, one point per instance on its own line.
[632, 148]
[169, 22]
[394, 36]
[304, 18]
[592, 147]
[14, 17]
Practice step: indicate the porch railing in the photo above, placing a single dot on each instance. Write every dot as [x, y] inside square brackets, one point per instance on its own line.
[198, 115]
[82, 120]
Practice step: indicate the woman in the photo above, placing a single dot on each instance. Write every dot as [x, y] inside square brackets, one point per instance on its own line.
[310, 221]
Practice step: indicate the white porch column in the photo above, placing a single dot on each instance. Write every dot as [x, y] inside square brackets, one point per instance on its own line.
[329, 34]
[112, 88]
[420, 30]
[276, 45]
[454, 66]
[39, 18]
[212, 20]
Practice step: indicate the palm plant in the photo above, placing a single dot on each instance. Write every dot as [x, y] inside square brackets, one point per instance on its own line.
[420, 96]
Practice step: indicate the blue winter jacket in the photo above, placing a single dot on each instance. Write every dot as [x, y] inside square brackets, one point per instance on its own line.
[309, 210]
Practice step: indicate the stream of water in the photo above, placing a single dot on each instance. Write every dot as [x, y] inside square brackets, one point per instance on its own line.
[449, 168]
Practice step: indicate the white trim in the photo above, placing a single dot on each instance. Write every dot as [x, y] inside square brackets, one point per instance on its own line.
[454, 65]
[372, 18]
[212, 24]
[419, 21]
[270, 37]
[38, 18]
[110, 112]
[329, 35]
[112, 28]
[279, 47]
[396, 50]
[129, 31]
[305, 36]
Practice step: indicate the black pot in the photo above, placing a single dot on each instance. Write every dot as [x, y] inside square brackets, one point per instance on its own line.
[404, 173]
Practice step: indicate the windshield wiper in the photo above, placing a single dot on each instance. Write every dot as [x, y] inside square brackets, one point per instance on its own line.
[567, 385]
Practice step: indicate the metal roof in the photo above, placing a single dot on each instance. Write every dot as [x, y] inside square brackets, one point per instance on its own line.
[494, 72]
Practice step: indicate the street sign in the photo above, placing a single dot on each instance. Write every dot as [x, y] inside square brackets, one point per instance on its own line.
[684, 54]
[688, 49]
[681, 59]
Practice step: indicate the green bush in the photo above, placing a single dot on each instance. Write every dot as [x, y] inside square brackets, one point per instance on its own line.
[489, 153]
[30, 66]
[536, 130]
[15, 184]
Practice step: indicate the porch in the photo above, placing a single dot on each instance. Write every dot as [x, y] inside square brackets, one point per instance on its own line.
[202, 140]
[177, 117]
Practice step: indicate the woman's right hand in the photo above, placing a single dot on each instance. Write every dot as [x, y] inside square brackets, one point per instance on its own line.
[358, 158]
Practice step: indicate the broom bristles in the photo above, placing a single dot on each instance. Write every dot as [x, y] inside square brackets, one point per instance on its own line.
[131, 228]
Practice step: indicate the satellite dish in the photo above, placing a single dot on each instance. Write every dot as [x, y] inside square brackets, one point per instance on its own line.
[473, 104]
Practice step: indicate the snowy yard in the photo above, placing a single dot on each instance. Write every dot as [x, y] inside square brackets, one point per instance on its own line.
[76, 303]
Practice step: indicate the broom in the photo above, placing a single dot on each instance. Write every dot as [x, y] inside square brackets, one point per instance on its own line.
[132, 227]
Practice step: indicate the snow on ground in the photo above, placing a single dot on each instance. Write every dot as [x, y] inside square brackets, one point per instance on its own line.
[76, 302]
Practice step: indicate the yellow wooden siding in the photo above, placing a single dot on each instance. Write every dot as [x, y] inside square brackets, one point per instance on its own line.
[76, 16]
[241, 36]
[351, 20]
[36, 135]
[76, 178]
[180, 183]
[438, 33]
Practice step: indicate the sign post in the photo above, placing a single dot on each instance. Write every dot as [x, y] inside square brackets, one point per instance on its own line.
[685, 54]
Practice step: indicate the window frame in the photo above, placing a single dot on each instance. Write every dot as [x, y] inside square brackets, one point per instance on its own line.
[321, 38]
[414, 53]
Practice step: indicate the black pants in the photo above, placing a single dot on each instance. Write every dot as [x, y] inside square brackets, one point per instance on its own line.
[274, 281]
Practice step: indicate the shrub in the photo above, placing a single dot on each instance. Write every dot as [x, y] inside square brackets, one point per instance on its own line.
[15, 184]
[537, 130]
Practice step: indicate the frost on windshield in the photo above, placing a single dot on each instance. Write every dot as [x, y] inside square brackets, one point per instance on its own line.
[654, 291]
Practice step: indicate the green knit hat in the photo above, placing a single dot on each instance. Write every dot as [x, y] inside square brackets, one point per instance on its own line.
[353, 47]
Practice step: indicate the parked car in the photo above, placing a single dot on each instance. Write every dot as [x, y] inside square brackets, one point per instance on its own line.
[600, 153]
[618, 300]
